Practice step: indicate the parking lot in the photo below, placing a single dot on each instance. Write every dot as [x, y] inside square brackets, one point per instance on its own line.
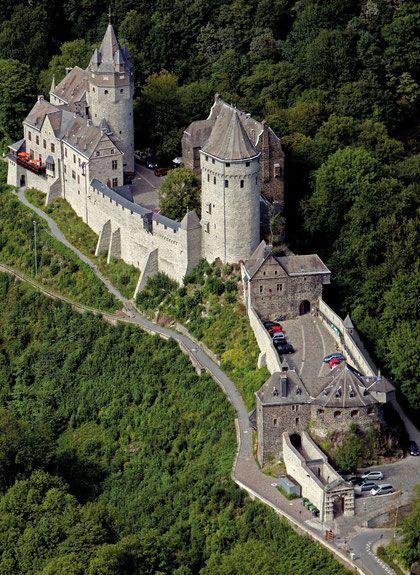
[145, 187]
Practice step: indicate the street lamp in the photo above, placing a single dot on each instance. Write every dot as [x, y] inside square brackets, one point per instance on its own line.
[35, 223]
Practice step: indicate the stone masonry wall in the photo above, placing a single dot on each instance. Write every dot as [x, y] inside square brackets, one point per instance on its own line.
[273, 421]
[275, 293]
[264, 341]
[328, 419]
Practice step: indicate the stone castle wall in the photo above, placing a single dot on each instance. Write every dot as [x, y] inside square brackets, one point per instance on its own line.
[273, 421]
[230, 208]
[327, 420]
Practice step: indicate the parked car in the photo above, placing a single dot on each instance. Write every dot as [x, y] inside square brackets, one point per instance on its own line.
[162, 171]
[382, 489]
[355, 480]
[268, 324]
[151, 163]
[334, 361]
[413, 448]
[283, 347]
[279, 336]
[365, 486]
[274, 329]
[336, 355]
[315, 512]
[373, 475]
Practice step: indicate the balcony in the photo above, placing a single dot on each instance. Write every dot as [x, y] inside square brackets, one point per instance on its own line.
[35, 166]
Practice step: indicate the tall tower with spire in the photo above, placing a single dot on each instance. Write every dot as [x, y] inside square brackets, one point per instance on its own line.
[230, 191]
[109, 95]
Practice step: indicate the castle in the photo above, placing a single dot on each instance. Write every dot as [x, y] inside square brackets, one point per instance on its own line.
[80, 146]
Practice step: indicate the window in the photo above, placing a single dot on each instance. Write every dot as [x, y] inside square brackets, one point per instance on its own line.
[207, 227]
[275, 272]
[65, 152]
[78, 179]
[214, 180]
[370, 411]
[337, 414]
[226, 183]
[65, 168]
[114, 164]
[275, 421]
[97, 153]
[53, 148]
[74, 158]
[114, 182]
[208, 177]
[297, 421]
[207, 158]
[279, 287]
[112, 151]
[261, 289]
[213, 161]
[208, 208]
[29, 136]
[354, 413]
[320, 412]
[44, 144]
[37, 140]
[121, 90]
[242, 183]
[295, 407]
[105, 91]
[73, 174]
[228, 164]
[247, 164]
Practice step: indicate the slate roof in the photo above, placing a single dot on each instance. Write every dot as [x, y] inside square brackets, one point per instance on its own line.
[200, 130]
[190, 221]
[293, 265]
[344, 387]
[72, 87]
[270, 392]
[228, 139]
[41, 108]
[109, 57]
[17, 145]
[303, 265]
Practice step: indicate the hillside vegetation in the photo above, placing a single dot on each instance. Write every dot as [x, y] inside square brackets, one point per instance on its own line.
[210, 306]
[115, 457]
[337, 80]
[58, 269]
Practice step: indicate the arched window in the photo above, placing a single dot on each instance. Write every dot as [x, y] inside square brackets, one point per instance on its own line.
[337, 414]
[354, 413]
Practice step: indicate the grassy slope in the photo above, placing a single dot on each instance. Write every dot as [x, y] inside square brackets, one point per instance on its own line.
[122, 275]
[210, 308]
[58, 268]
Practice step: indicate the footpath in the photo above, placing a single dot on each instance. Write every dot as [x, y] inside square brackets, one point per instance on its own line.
[245, 471]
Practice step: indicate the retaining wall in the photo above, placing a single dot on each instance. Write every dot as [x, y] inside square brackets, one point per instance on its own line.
[265, 343]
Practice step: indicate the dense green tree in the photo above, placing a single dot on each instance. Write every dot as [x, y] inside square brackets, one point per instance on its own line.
[74, 53]
[16, 97]
[179, 193]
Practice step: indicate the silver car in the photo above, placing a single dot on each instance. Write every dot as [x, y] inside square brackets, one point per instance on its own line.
[373, 475]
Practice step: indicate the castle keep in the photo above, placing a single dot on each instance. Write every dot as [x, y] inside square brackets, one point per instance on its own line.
[80, 146]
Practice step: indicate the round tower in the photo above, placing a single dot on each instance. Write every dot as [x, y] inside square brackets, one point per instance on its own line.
[109, 95]
[230, 191]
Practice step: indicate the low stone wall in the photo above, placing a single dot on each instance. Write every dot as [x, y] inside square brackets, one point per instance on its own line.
[359, 356]
[264, 341]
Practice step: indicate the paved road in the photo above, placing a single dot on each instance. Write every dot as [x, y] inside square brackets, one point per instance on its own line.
[363, 547]
[146, 187]
[245, 471]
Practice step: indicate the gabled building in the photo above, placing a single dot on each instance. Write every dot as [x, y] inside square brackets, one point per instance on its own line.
[262, 138]
[283, 285]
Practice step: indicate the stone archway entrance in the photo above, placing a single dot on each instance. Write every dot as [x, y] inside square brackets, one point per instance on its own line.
[338, 505]
[22, 181]
[304, 307]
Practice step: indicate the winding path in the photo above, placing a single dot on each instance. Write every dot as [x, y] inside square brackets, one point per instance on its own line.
[245, 472]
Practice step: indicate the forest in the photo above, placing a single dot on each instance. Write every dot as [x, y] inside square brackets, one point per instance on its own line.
[337, 80]
[115, 457]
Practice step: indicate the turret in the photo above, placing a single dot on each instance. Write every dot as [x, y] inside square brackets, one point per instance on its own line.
[230, 196]
[110, 93]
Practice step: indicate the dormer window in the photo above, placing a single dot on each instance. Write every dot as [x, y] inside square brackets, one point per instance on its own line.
[351, 392]
[298, 391]
[275, 392]
[338, 392]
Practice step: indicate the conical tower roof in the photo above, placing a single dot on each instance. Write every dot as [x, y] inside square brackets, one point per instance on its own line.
[109, 44]
[345, 387]
[228, 139]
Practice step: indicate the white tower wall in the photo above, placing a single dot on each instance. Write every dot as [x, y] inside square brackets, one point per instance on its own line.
[230, 214]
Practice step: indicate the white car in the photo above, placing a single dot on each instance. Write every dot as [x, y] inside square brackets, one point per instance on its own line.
[373, 475]
[382, 489]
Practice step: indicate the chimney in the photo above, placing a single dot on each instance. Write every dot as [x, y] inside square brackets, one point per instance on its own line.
[268, 248]
[40, 98]
[283, 385]
[68, 70]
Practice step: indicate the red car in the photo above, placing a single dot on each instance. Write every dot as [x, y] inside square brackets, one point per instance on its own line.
[334, 361]
[274, 329]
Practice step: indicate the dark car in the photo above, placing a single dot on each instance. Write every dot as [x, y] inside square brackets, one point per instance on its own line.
[336, 355]
[413, 448]
[268, 324]
[283, 347]
[355, 480]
